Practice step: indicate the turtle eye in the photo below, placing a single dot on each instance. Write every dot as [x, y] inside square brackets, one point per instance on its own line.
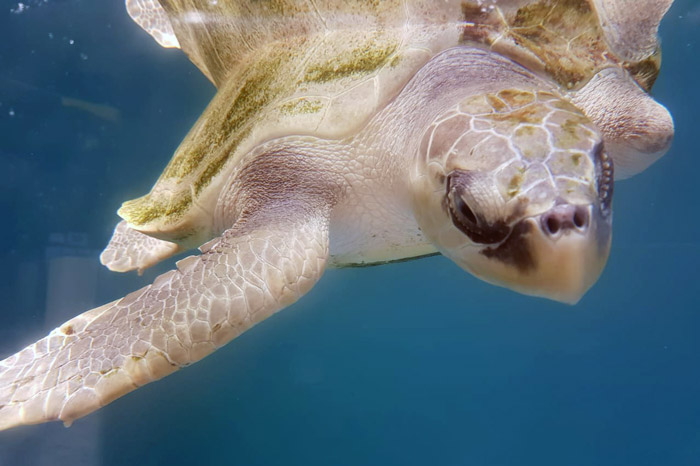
[464, 217]
[464, 210]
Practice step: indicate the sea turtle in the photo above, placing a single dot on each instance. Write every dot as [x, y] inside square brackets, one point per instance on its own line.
[356, 132]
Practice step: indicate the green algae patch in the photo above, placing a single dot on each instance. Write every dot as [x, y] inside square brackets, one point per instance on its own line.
[365, 59]
[145, 209]
[303, 106]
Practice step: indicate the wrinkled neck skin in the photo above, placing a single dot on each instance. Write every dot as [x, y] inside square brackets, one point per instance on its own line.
[374, 220]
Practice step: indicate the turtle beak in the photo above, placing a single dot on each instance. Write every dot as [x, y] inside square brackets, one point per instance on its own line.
[557, 255]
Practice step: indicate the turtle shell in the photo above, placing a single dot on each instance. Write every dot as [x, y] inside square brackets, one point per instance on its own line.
[324, 67]
[563, 39]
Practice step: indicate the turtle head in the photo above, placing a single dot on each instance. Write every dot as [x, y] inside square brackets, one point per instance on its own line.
[516, 188]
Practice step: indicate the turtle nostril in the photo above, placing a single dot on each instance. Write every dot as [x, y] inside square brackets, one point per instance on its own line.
[580, 218]
[552, 225]
[565, 217]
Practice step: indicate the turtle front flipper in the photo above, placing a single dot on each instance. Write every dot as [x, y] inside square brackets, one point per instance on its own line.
[265, 262]
[149, 14]
[132, 250]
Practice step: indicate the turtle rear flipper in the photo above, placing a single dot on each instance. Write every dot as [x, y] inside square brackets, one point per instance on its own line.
[132, 250]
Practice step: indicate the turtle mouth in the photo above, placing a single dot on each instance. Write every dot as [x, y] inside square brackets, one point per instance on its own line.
[548, 255]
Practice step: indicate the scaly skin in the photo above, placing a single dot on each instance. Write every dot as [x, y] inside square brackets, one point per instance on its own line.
[239, 280]
[131, 250]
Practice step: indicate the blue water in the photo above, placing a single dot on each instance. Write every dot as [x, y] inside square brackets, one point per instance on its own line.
[412, 363]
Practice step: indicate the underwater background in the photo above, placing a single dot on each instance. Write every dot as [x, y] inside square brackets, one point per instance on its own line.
[411, 363]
